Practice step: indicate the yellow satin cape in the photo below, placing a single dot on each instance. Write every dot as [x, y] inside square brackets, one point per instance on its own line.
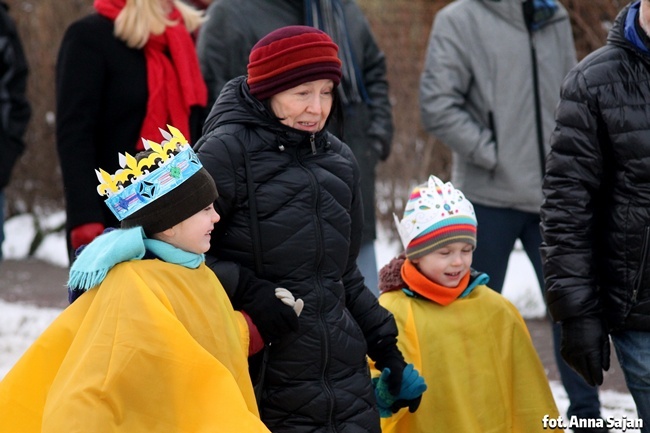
[481, 368]
[156, 347]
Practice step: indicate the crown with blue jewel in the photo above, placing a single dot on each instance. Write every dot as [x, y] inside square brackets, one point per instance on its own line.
[140, 182]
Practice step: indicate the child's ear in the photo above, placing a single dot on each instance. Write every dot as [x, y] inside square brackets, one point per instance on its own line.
[165, 235]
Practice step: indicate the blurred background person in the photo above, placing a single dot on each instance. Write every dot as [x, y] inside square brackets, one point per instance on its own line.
[234, 26]
[489, 92]
[131, 63]
[15, 109]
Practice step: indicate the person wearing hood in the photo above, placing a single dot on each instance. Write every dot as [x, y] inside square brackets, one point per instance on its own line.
[292, 214]
[596, 212]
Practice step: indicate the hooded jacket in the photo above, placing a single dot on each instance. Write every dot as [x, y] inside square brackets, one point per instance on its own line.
[234, 26]
[480, 98]
[596, 213]
[309, 219]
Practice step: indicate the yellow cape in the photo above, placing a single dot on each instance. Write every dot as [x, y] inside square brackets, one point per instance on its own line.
[156, 347]
[481, 368]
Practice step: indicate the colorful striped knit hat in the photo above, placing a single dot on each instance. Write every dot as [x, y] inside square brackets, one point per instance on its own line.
[436, 215]
[289, 57]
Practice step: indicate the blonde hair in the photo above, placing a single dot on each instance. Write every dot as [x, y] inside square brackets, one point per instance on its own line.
[141, 18]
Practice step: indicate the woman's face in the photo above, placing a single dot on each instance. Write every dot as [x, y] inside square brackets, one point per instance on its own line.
[305, 107]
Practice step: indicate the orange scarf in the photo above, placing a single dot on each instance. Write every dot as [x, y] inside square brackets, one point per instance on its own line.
[428, 289]
[174, 77]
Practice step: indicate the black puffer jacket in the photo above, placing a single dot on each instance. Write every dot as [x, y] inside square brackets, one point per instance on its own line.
[15, 109]
[309, 214]
[596, 213]
[234, 26]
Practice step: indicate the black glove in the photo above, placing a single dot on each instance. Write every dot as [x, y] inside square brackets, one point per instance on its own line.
[257, 297]
[387, 355]
[410, 394]
[382, 149]
[411, 404]
[585, 347]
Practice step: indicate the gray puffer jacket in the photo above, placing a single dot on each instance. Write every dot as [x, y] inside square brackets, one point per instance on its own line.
[309, 218]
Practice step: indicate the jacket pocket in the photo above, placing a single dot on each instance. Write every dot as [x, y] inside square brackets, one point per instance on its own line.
[640, 276]
[493, 128]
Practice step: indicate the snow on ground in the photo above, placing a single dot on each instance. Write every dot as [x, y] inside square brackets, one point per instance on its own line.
[20, 324]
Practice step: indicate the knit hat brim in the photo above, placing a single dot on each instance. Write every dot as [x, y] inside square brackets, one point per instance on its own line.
[289, 57]
[440, 237]
[188, 198]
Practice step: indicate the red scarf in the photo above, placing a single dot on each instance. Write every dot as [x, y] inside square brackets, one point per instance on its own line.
[174, 80]
[430, 290]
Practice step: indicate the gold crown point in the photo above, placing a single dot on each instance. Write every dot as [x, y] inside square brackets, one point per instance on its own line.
[132, 170]
[131, 162]
[157, 148]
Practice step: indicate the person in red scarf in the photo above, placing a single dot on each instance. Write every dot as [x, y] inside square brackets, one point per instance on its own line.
[120, 73]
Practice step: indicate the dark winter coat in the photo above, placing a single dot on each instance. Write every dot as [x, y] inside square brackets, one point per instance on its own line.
[15, 110]
[101, 102]
[234, 26]
[309, 218]
[596, 213]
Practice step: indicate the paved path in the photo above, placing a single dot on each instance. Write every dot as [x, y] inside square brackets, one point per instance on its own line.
[43, 284]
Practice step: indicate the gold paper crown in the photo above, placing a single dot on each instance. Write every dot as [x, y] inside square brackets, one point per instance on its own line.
[132, 169]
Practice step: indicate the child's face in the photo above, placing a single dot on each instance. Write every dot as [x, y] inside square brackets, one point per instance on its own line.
[447, 265]
[193, 234]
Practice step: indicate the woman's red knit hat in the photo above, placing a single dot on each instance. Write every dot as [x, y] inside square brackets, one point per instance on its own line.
[290, 56]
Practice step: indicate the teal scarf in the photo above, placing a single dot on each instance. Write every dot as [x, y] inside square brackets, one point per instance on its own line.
[122, 245]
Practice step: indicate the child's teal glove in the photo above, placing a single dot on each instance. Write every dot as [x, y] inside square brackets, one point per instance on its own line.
[410, 393]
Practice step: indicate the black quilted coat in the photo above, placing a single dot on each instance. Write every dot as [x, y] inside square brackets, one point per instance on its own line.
[309, 217]
[596, 213]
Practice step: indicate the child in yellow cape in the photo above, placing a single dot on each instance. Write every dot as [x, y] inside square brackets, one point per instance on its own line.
[469, 343]
[153, 343]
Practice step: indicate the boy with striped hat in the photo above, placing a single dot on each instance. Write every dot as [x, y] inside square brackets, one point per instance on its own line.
[469, 343]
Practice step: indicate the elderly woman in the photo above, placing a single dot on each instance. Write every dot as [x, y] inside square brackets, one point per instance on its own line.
[292, 217]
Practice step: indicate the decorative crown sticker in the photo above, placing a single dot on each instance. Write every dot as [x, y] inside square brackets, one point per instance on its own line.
[430, 206]
[140, 182]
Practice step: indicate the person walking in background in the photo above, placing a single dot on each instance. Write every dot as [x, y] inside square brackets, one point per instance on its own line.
[444, 310]
[153, 343]
[291, 210]
[488, 90]
[15, 109]
[234, 26]
[134, 64]
[596, 210]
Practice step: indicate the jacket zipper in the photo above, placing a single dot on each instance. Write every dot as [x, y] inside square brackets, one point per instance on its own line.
[538, 105]
[312, 141]
[325, 342]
